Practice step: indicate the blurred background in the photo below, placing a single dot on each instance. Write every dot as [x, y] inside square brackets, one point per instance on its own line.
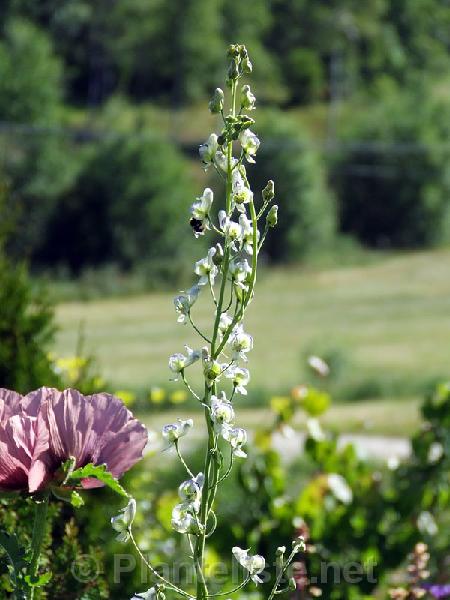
[103, 105]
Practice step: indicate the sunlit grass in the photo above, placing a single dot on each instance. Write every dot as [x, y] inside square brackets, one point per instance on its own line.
[387, 322]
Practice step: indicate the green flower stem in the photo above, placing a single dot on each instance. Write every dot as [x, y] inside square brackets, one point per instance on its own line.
[202, 590]
[240, 586]
[197, 329]
[281, 572]
[40, 522]
[183, 462]
[155, 572]
[211, 460]
[239, 315]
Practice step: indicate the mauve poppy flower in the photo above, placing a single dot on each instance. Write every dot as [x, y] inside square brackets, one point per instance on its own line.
[42, 430]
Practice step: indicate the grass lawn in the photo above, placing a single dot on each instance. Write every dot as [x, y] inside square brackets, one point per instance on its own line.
[385, 326]
[369, 417]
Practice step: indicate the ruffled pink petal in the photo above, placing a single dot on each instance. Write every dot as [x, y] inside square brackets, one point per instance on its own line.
[69, 417]
[124, 449]
[14, 457]
[9, 403]
[42, 463]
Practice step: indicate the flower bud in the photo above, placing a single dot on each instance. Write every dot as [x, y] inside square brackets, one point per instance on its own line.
[247, 98]
[292, 585]
[123, 521]
[272, 216]
[233, 71]
[268, 192]
[279, 555]
[212, 370]
[216, 103]
[218, 256]
[298, 545]
[246, 65]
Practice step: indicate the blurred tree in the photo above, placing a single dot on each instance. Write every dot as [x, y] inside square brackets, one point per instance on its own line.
[394, 185]
[30, 75]
[306, 221]
[370, 39]
[125, 209]
[251, 27]
[26, 320]
[35, 163]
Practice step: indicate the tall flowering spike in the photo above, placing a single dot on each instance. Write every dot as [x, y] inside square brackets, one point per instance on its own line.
[50, 427]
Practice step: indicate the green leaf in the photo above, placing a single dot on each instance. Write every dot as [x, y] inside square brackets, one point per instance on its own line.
[70, 496]
[38, 581]
[101, 473]
[15, 553]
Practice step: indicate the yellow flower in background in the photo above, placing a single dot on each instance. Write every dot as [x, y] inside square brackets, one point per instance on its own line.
[178, 397]
[157, 395]
[279, 403]
[70, 367]
[127, 397]
[98, 383]
[212, 560]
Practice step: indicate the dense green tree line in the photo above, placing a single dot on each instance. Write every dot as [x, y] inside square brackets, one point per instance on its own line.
[158, 49]
[114, 200]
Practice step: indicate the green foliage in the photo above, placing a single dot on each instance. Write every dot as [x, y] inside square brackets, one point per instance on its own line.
[306, 222]
[394, 187]
[30, 75]
[65, 555]
[101, 473]
[26, 331]
[123, 209]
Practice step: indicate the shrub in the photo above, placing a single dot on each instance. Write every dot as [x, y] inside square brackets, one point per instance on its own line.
[26, 331]
[124, 210]
[307, 213]
[30, 75]
[393, 184]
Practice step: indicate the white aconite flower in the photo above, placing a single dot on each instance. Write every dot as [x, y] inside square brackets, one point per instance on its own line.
[150, 594]
[224, 323]
[178, 362]
[253, 564]
[241, 343]
[247, 233]
[190, 491]
[208, 150]
[241, 193]
[222, 412]
[201, 207]
[183, 519]
[340, 488]
[230, 228]
[174, 431]
[123, 521]
[250, 144]
[200, 210]
[240, 377]
[221, 161]
[206, 269]
[237, 438]
[184, 302]
[247, 98]
[240, 270]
